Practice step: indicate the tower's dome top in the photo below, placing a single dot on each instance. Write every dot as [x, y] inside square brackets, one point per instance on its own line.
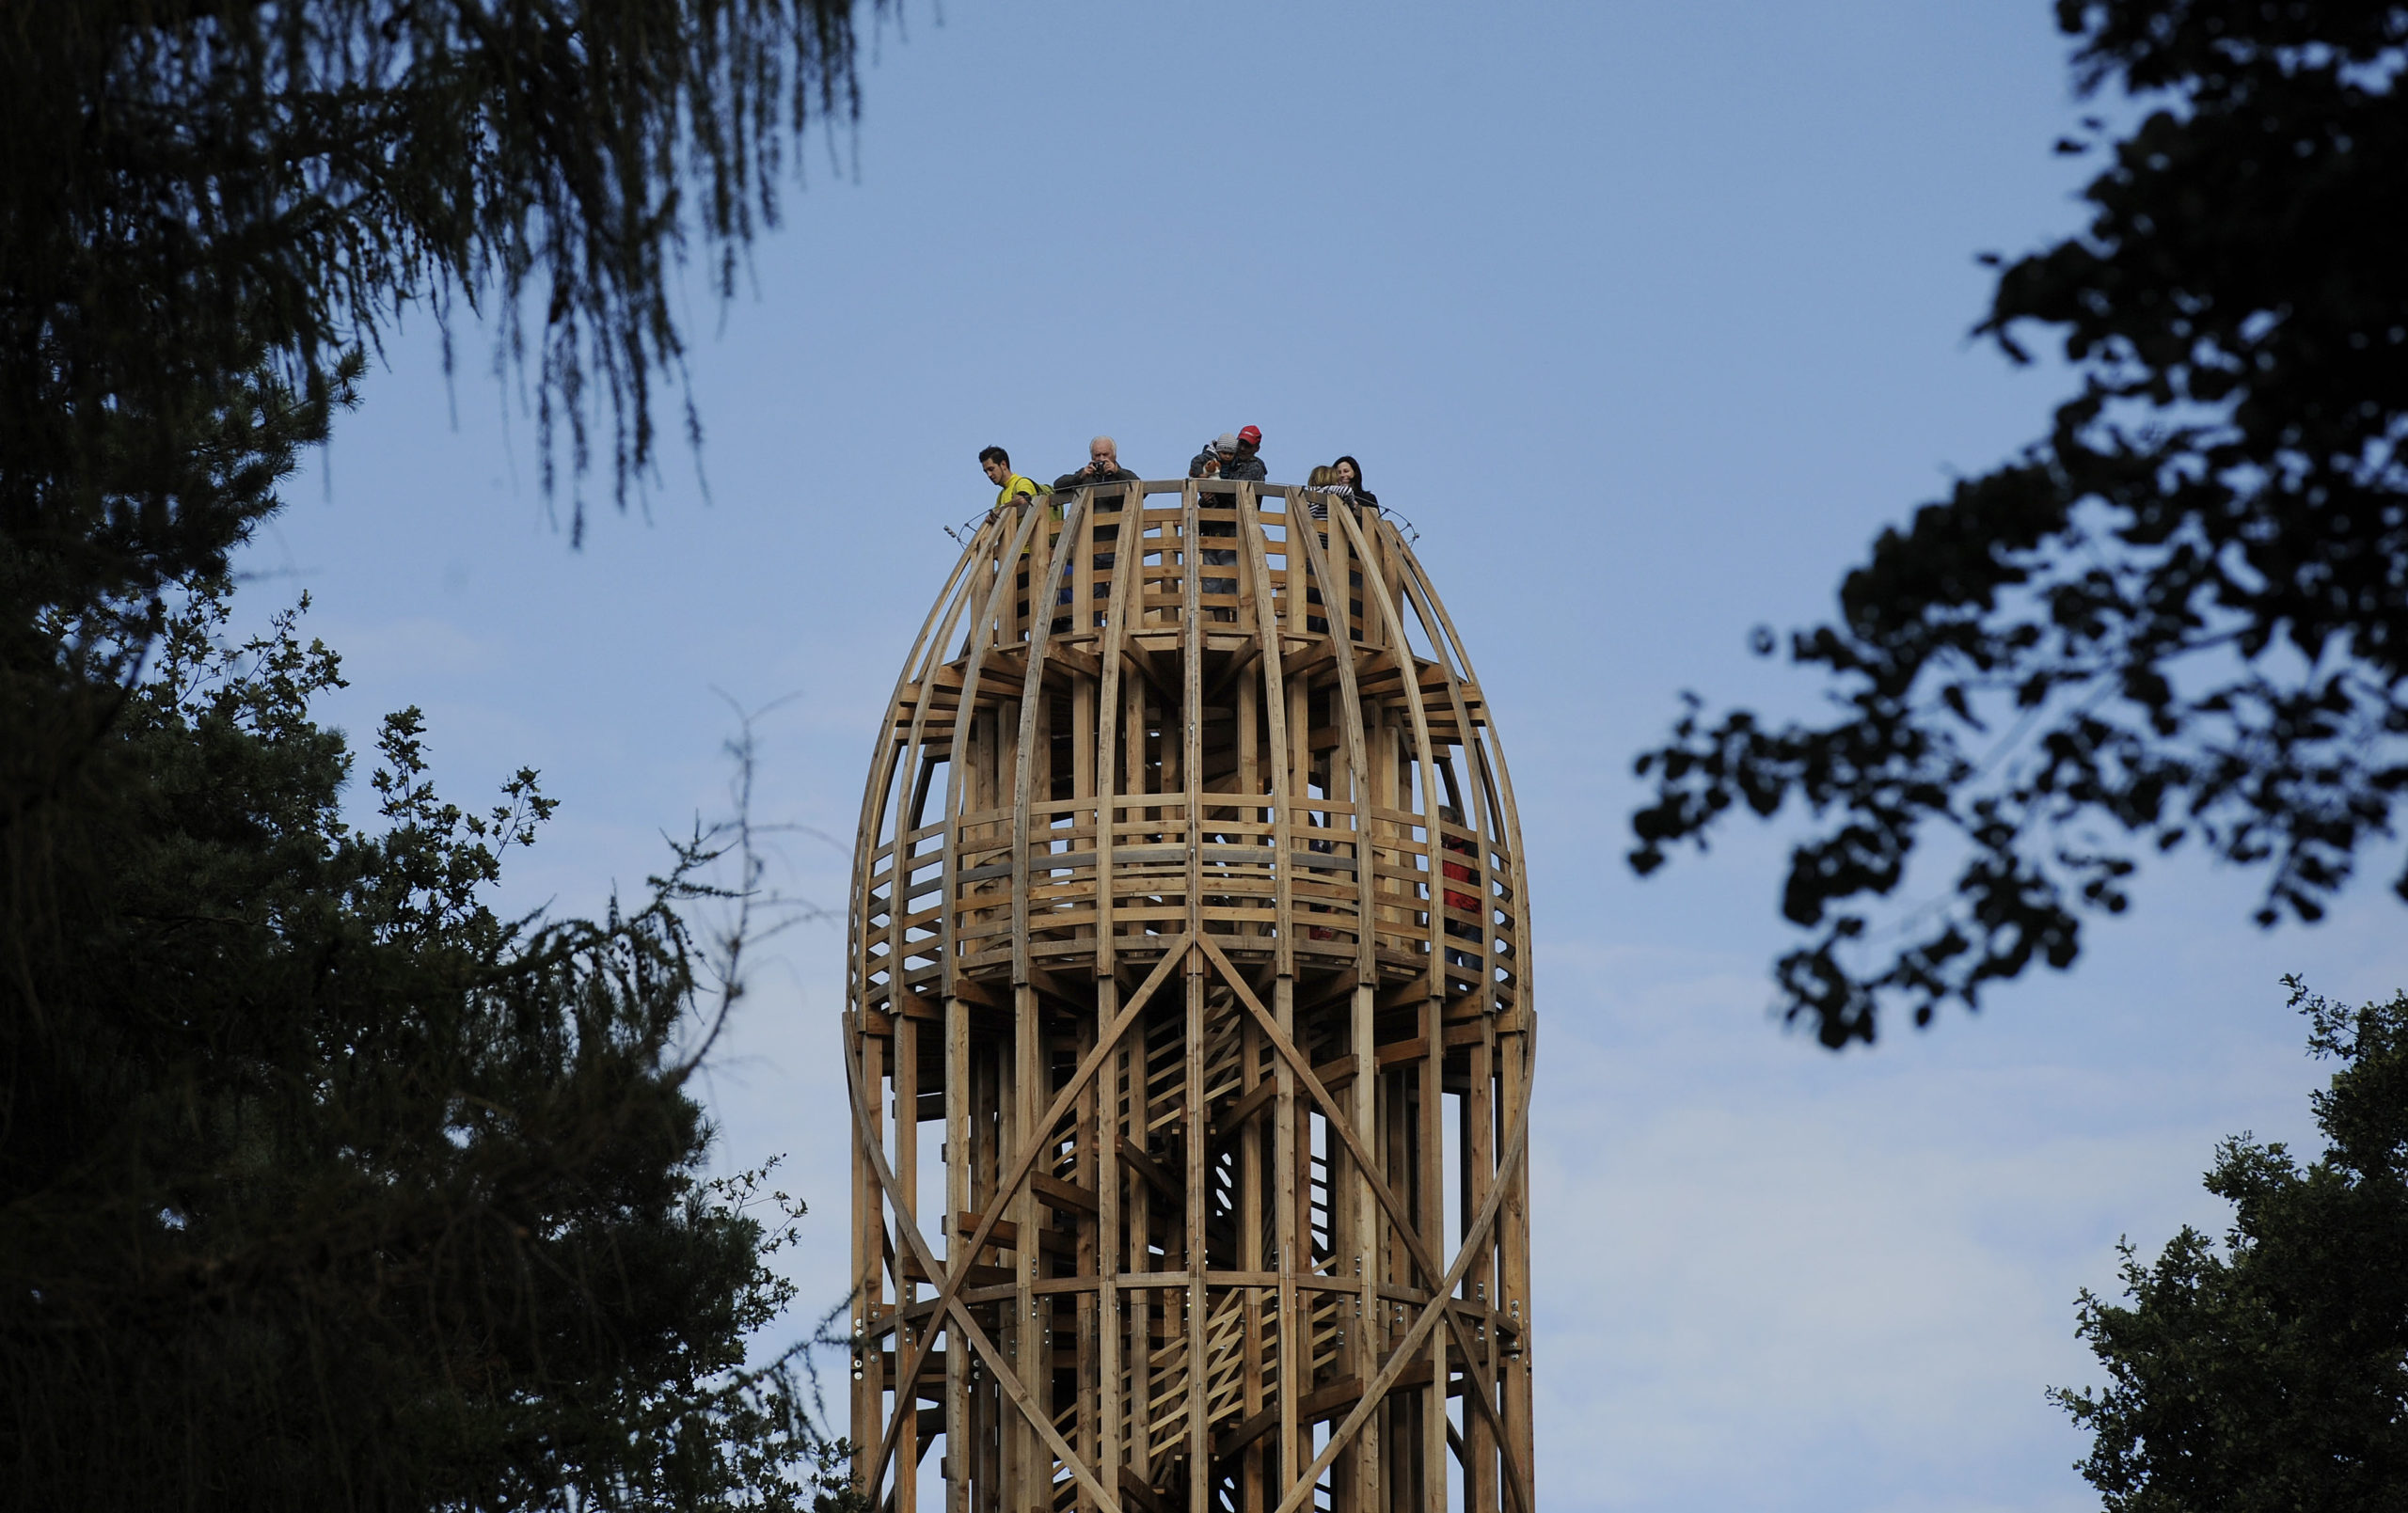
[1182, 641]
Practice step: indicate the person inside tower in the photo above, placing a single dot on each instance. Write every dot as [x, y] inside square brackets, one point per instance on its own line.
[1460, 871]
[1231, 457]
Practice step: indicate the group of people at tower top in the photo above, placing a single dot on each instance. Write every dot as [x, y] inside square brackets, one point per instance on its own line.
[1231, 455]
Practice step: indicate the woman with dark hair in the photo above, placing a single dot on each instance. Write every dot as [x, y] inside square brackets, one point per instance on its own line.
[1350, 483]
[1343, 478]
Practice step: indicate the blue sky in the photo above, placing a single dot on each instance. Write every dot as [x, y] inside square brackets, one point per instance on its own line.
[1648, 316]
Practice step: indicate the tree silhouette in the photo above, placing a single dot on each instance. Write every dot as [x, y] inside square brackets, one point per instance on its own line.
[2181, 617]
[321, 1185]
[2270, 1372]
[325, 1186]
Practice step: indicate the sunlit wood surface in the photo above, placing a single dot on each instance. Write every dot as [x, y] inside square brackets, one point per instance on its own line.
[1188, 1028]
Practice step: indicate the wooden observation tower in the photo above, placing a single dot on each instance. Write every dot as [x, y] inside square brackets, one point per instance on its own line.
[1189, 1029]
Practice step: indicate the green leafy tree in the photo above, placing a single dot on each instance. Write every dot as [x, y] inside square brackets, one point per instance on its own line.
[2270, 1374]
[2182, 617]
[198, 189]
[211, 210]
[323, 1186]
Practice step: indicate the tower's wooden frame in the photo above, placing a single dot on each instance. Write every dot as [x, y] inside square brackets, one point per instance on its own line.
[1303, 915]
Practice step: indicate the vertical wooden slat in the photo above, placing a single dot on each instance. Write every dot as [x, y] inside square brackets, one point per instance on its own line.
[1191, 720]
[961, 1433]
[1091, 1263]
[869, 1265]
[1019, 1118]
[1030, 763]
[1295, 1362]
[1112, 1245]
[1431, 1175]
[907, 1175]
[1478, 1144]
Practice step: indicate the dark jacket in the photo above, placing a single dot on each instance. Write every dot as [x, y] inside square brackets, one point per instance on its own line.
[1237, 469]
[1082, 478]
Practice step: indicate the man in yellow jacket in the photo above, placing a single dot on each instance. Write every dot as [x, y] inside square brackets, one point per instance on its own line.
[1010, 486]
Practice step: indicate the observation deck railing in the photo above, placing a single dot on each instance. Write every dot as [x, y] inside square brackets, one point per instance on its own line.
[1392, 822]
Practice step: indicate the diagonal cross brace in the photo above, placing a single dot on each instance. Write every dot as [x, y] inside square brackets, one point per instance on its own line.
[961, 1317]
[946, 1302]
[1379, 1385]
[1004, 1377]
[1380, 1189]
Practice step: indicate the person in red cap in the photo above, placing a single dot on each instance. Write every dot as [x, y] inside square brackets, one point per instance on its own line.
[1232, 458]
[1246, 466]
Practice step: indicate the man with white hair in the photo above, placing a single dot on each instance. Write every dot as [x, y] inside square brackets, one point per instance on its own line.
[1103, 466]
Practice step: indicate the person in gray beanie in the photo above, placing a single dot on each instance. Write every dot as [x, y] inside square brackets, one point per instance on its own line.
[1229, 456]
[1206, 464]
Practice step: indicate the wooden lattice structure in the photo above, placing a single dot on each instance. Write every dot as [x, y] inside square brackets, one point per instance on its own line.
[1188, 904]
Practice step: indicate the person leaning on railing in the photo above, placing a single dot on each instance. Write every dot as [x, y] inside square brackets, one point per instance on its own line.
[1460, 871]
[1012, 489]
[1320, 479]
[1346, 481]
[1342, 480]
[997, 465]
[1342, 477]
